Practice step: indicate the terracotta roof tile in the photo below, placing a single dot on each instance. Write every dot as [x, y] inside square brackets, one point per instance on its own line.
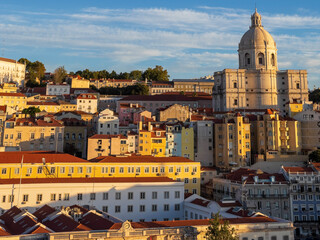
[107, 136]
[95, 222]
[9, 60]
[140, 159]
[201, 202]
[37, 157]
[86, 180]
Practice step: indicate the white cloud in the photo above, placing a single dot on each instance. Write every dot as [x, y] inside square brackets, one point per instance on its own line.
[188, 41]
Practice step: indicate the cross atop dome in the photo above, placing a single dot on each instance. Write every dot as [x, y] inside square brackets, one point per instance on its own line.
[255, 19]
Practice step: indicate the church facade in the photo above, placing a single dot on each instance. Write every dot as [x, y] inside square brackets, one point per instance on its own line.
[258, 84]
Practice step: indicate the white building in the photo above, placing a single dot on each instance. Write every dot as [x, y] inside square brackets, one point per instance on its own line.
[12, 71]
[131, 198]
[108, 123]
[204, 142]
[57, 89]
[87, 102]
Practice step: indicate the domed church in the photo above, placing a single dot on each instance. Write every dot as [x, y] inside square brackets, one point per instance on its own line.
[258, 84]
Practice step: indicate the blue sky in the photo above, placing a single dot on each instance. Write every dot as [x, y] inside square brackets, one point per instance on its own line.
[189, 38]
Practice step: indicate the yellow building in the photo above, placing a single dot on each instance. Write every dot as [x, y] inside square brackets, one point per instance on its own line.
[274, 134]
[294, 107]
[187, 143]
[232, 141]
[152, 139]
[66, 106]
[106, 145]
[13, 101]
[80, 83]
[60, 165]
[50, 107]
[8, 88]
[28, 134]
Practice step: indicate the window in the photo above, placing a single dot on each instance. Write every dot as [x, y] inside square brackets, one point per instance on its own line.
[186, 180]
[29, 171]
[261, 58]
[274, 238]
[92, 196]
[4, 171]
[121, 170]
[166, 207]
[112, 170]
[39, 197]
[52, 170]
[25, 197]
[89, 169]
[166, 195]
[142, 195]
[117, 209]
[177, 207]
[130, 195]
[16, 171]
[234, 85]
[118, 195]
[154, 207]
[130, 208]
[177, 194]
[146, 169]
[105, 208]
[142, 208]
[194, 180]
[154, 195]
[79, 197]
[105, 196]
[80, 169]
[53, 197]
[11, 198]
[66, 197]
[62, 169]
[70, 169]
[19, 135]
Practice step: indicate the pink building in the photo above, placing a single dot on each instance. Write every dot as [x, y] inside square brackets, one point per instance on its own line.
[132, 113]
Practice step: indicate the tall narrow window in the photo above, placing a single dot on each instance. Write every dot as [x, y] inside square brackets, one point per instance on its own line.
[273, 62]
[261, 58]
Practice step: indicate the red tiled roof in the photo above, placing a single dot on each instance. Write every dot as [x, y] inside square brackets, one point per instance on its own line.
[140, 159]
[62, 223]
[201, 202]
[299, 169]
[9, 60]
[105, 136]
[95, 222]
[12, 94]
[37, 156]
[86, 180]
[10, 214]
[179, 223]
[40, 229]
[87, 96]
[163, 98]
[3, 108]
[43, 212]
[45, 121]
[229, 204]
[42, 103]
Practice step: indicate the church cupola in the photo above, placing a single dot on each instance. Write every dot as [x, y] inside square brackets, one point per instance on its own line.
[257, 49]
[255, 19]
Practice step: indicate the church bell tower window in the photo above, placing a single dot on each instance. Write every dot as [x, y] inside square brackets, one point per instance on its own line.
[261, 58]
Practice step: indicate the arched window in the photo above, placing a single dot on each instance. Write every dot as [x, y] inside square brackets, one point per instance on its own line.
[247, 59]
[234, 85]
[261, 58]
[273, 63]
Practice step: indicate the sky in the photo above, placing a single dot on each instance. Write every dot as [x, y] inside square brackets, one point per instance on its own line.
[189, 38]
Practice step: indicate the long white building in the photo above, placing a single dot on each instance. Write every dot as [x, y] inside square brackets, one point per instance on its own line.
[134, 199]
[12, 71]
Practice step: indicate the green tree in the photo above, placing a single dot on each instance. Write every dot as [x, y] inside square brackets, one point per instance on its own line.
[220, 230]
[314, 96]
[35, 69]
[59, 74]
[315, 156]
[135, 75]
[31, 111]
[156, 74]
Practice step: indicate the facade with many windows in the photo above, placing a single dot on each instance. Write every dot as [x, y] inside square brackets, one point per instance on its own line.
[30, 134]
[60, 165]
[134, 199]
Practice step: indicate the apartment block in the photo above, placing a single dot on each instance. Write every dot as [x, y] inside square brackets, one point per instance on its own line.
[232, 147]
[29, 134]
